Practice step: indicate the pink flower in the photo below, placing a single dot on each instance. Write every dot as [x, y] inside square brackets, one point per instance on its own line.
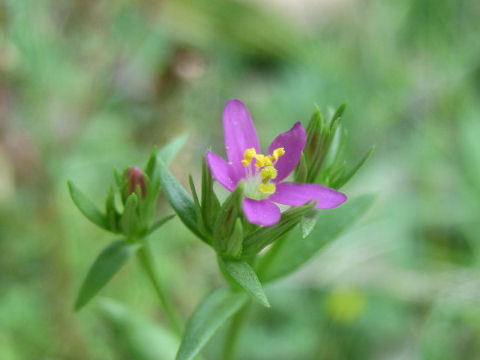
[263, 175]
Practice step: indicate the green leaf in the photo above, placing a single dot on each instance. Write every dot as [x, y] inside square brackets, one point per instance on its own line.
[338, 113]
[196, 202]
[179, 199]
[301, 171]
[357, 167]
[309, 220]
[170, 150]
[194, 192]
[294, 252]
[244, 275]
[212, 313]
[87, 208]
[103, 269]
[226, 219]
[129, 220]
[210, 204]
[135, 336]
[152, 163]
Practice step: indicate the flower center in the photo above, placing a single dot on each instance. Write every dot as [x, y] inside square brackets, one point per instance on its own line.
[257, 183]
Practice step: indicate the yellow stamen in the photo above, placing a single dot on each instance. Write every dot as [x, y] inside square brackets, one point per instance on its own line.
[278, 152]
[268, 172]
[262, 160]
[248, 155]
[266, 188]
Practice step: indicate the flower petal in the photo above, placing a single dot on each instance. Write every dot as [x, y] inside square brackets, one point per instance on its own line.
[222, 171]
[295, 194]
[239, 133]
[293, 141]
[261, 212]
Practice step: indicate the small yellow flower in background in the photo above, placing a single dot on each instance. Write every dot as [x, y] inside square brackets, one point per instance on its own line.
[345, 305]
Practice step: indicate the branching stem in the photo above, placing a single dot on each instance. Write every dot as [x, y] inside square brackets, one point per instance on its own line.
[146, 260]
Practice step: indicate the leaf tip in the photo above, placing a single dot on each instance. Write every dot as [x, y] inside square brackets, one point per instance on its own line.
[79, 303]
[266, 303]
[70, 186]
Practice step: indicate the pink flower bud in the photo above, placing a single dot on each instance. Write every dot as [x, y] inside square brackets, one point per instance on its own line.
[135, 178]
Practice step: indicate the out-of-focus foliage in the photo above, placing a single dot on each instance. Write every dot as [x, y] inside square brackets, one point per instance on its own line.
[87, 85]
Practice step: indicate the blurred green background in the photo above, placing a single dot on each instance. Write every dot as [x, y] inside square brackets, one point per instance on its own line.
[86, 86]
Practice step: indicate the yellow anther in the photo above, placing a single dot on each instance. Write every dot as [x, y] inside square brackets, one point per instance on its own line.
[266, 188]
[268, 172]
[262, 160]
[278, 152]
[248, 155]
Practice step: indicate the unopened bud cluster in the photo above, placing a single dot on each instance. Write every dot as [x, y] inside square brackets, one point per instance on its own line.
[130, 202]
[323, 158]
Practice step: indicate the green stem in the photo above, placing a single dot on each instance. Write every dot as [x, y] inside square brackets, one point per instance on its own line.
[145, 258]
[231, 340]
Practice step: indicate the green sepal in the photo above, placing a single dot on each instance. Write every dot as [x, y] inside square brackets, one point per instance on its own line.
[152, 163]
[313, 130]
[308, 222]
[87, 208]
[107, 264]
[214, 310]
[264, 236]
[159, 223]
[209, 202]
[338, 113]
[320, 136]
[129, 222]
[233, 248]
[226, 219]
[194, 192]
[179, 200]
[301, 171]
[148, 204]
[119, 179]
[245, 276]
[112, 214]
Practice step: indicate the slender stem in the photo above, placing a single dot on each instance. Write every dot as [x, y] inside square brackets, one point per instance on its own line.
[145, 257]
[239, 319]
[231, 340]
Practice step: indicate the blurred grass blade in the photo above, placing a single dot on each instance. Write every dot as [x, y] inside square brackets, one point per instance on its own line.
[135, 336]
[87, 208]
[330, 224]
[170, 150]
[103, 269]
[245, 276]
[212, 313]
[179, 199]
